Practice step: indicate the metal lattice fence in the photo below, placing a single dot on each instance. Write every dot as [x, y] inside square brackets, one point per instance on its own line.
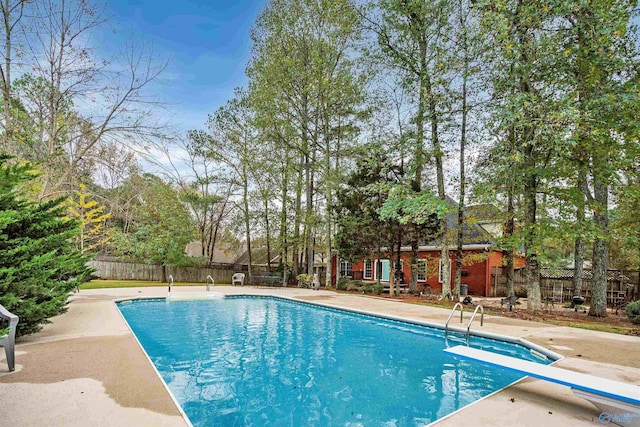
[557, 284]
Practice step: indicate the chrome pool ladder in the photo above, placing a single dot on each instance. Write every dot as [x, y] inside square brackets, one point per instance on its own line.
[478, 307]
[212, 282]
[453, 311]
[446, 325]
[170, 282]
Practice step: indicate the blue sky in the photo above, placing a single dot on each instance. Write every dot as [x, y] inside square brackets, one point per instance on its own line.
[206, 43]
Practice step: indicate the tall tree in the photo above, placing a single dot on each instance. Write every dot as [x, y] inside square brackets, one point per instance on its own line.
[12, 13]
[160, 227]
[361, 231]
[519, 100]
[411, 38]
[302, 72]
[598, 59]
[467, 57]
[92, 220]
[67, 71]
[231, 140]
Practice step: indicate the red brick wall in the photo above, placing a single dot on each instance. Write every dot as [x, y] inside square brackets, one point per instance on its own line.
[478, 265]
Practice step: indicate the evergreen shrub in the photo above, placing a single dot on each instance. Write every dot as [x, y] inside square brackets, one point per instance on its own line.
[39, 263]
[633, 311]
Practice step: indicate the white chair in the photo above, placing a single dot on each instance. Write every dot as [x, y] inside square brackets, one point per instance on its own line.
[8, 341]
[237, 278]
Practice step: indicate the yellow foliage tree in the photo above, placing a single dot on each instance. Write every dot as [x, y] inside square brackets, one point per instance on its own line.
[90, 214]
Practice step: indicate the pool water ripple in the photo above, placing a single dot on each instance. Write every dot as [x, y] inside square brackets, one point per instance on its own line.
[259, 362]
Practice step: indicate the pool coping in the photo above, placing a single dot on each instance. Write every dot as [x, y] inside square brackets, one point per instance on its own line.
[555, 357]
[166, 386]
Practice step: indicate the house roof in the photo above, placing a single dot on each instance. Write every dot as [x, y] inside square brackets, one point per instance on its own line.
[476, 227]
[222, 253]
[258, 256]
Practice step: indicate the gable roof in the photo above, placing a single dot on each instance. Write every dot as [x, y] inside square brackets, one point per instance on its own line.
[473, 231]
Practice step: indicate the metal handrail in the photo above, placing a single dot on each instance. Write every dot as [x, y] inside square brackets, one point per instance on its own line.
[170, 282]
[212, 282]
[478, 307]
[446, 325]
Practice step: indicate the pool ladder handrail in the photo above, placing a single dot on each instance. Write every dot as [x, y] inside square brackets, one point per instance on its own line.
[468, 334]
[170, 282]
[213, 283]
[478, 307]
[446, 325]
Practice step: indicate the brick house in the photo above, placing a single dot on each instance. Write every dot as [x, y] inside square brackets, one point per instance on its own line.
[480, 255]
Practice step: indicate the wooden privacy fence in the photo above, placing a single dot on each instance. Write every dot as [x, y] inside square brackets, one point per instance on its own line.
[117, 270]
[557, 284]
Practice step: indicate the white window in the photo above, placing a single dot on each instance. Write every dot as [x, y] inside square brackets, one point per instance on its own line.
[440, 270]
[368, 269]
[422, 270]
[345, 268]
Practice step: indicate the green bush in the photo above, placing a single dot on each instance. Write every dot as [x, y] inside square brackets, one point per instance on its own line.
[349, 285]
[633, 311]
[342, 284]
[370, 288]
[353, 285]
[305, 280]
[39, 264]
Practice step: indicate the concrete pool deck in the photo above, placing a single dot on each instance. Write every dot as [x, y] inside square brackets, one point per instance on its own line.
[86, 368]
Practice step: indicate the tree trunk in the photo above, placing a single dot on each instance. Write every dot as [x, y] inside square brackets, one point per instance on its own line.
[413, 261]
[283, 221]
[328, 185]
[212, 246]
[379, 265]
[578, 265]
[310, 230]
[438, 157]
[534, 302]
[598, 306]
[463, 143]
[268, 232]
[247, 226]
[297, 220]
[5, 75]
[419, 157]
[446, 271]
[509, 231]
[399, 259]
[392, 276]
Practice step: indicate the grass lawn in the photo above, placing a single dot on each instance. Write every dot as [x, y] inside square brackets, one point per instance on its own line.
[102, 284]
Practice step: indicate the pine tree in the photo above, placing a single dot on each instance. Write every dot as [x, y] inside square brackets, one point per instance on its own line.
[39, 264]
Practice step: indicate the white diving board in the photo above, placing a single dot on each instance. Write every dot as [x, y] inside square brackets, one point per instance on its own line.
[612, 397]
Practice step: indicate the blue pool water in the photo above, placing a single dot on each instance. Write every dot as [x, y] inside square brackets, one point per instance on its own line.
[271, 362]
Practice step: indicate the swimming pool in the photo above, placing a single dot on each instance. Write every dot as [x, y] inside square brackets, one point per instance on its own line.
[247, 361]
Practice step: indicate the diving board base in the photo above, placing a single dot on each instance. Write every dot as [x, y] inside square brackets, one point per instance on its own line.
[612, 411]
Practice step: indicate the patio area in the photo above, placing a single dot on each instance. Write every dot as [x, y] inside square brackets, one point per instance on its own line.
[86, 368]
